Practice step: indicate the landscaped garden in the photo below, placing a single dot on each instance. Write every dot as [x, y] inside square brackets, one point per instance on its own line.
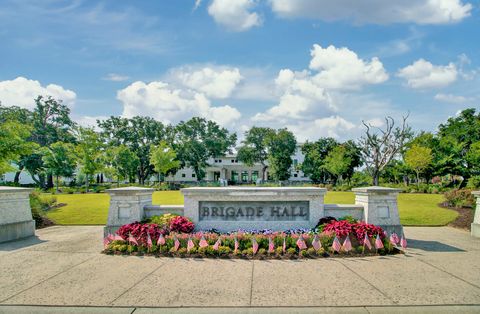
[85, 209]
[172, 235]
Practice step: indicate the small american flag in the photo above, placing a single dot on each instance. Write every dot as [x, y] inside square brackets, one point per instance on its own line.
[316, 243]
[347, 244]
[366, 242]
[190, 245]
[378, 242]
[336, 246]
[106, 242]
[132, 239]
[403, 242]
[176, 243]
[110, 237]
[203, 242]
[254, 245]
[161, 240]
[271, 245]
[217, 244]
[118, 238]
[394, 238]
[236, 245]
[301, 244]
[149, 241]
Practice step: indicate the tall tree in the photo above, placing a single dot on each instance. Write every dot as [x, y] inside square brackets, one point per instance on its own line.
[163, 158]
[379, 146]
[315, 154]
[281, 146]
[254, 148]
[13, 143]
[59, 160]
[138, 134]
[338, 162]
[121, 163]
[197, 140]
[89, 152]
[418, 158]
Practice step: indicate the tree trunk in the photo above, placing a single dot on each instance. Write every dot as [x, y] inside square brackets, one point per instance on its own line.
[264, 171]
[418, 179]
[50, 181]
[16, 180]
[375, 179]
[87, 182]
[56, 177]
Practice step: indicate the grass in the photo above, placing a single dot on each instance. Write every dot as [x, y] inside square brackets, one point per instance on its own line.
[92, 209]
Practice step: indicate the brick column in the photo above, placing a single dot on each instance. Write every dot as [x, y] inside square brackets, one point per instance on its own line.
[380, 207]
[126, 206]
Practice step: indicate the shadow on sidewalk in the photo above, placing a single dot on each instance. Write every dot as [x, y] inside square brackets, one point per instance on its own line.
[432, 246]
[19, 244]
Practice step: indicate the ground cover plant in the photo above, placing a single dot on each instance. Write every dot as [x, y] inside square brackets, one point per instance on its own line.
[92, 209]
[332, 238]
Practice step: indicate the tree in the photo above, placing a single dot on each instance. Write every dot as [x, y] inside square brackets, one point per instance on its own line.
[338, 162]
[254, 148]
[89, 151]
[197, 140]
[59, 159]
[121, 162]
[163, 158]
[13, 143]
[418, 158]
[138, 134]
[315, 154]
[473, 158]
[281, 146]
[380, 147]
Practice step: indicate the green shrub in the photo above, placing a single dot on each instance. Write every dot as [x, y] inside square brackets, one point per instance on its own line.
[291, 251]
[261, 252]
[311, 252]
[224, 251]
[459, 198]
[279, 250]
[474, 183]
[350, 219]
[163, 221]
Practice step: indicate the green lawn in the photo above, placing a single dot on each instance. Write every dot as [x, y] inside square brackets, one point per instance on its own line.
[92, 209]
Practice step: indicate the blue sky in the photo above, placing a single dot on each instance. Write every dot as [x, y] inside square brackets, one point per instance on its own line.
[318, 67]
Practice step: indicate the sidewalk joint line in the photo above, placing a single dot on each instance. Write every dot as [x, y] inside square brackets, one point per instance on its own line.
[136, 283]
[251, 284]
[447, 272]
[46, 279]
[369, 283]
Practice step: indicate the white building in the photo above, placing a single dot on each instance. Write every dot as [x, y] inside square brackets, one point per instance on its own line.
[231, 169]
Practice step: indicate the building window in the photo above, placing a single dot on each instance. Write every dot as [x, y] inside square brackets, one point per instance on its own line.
[295, 175]
[254, 176]
[193, 175]
[183, 175]
[234, 176]
[233, 161]
[244, 176]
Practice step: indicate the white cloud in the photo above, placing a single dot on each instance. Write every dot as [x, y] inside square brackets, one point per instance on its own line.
[341, 68]
[114, 77]
[423, 74]
[308, 93]
[333, 126]
[235, 15]
[89, 121]
[170, 105]
[454, 99]
[22, 92]
[375, 11]
[213, 81]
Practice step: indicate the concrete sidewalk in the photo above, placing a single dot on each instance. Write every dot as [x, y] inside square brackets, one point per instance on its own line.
[63, 267]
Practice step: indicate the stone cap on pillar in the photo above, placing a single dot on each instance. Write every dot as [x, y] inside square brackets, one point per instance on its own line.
[10, 189]
[131, 190]
[376, 190]
[476, 193]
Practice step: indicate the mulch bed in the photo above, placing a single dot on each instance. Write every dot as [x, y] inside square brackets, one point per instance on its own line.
[464, 219]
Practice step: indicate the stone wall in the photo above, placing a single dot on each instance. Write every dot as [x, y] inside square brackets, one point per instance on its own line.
[475, 227]
[15, 214]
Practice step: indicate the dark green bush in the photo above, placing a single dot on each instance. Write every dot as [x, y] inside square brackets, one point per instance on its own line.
[459, 198]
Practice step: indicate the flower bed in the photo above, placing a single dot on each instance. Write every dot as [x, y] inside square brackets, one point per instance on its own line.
[335, 238]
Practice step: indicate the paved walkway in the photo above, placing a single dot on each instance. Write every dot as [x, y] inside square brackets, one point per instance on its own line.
[63, 267]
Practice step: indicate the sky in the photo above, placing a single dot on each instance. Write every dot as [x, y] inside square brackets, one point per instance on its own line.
[318, 67]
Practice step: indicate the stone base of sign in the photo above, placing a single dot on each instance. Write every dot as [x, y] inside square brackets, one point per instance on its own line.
[232, 208]
[342, 210]
[15, 214]
[126, 206]
[475, 227]
[380, 207]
